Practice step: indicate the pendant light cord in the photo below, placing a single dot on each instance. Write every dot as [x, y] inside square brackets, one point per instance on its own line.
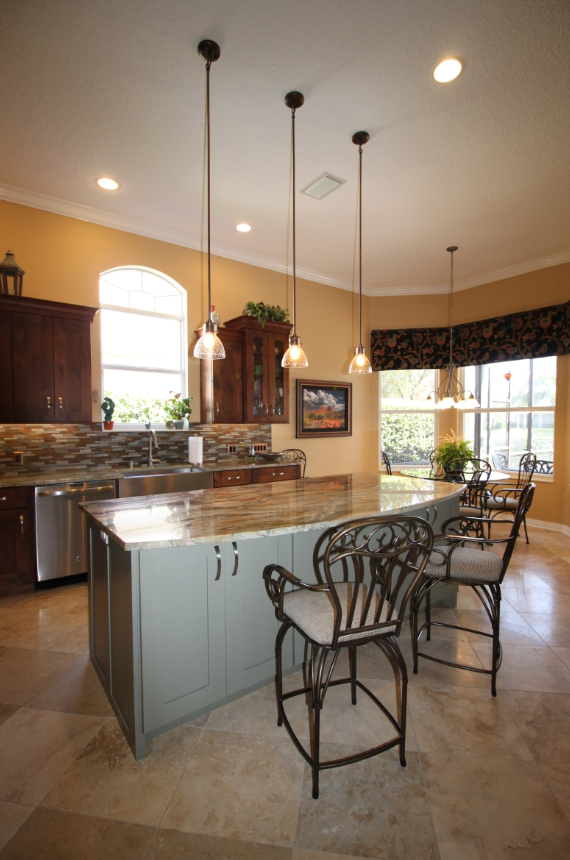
[208, 64]
[360, 246]
[294, 234]
[451, 314]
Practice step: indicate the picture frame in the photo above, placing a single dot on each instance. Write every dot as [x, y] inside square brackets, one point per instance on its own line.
[323, 409]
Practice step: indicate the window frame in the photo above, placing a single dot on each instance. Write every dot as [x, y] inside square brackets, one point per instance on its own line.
[483, 410]
[434, 412]
[182, 320]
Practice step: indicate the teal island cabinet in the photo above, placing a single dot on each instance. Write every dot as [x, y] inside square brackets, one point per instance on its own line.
[179, 620]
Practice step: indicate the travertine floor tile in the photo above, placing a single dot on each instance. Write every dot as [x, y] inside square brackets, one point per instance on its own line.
[52, 600]
[6, 712]
[534, 600]
[563, 654]
[199, 722]
[176, 845]
[373, 808]
[528, 667]
[301, 854]
[558, 778]
[493, 808]
[257, 713]
[107, 782]
[77, 691]
[514, 629]
[36, 748]
[465, 722]
[436, 673]
[49, 834]
[543, 719]
[554, 630]
[241, 786]
[23, 672]
[20, 629]
[12, 816]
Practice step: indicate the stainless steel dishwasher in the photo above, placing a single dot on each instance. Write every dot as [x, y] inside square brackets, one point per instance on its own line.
[61, 531]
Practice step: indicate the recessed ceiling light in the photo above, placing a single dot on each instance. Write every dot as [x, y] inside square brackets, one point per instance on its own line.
[447, 71]
[243, 228]
[107, 184]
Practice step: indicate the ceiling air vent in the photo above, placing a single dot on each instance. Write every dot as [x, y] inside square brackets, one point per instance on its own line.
[322, 185]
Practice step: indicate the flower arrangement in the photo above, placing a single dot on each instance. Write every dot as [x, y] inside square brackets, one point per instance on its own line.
[178, 407]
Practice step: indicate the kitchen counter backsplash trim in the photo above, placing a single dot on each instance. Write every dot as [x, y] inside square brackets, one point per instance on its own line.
[62, 447]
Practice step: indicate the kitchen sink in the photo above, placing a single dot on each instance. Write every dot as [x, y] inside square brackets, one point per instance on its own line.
[157, 480]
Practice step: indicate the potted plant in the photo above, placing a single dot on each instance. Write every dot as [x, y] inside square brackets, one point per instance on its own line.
[266, 313]
[108, 408]
[452, 448]
[178, 408]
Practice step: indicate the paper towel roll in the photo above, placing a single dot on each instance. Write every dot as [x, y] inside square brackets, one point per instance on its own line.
[195, 450]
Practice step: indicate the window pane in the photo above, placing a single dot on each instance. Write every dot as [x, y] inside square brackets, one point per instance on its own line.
[407, 438]
[544, 381]
[510, 434]
[140, 341]
[513, 383]
[406, 389]
[117, 383]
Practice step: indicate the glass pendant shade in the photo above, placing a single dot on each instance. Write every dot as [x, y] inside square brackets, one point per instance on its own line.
[295, 356]
[446, 402]
[360, 363]
[209, 344]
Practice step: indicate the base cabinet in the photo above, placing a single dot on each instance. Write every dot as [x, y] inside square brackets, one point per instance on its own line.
[17, 540]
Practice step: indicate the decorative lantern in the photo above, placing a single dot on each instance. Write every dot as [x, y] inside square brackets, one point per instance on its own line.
[11, 276]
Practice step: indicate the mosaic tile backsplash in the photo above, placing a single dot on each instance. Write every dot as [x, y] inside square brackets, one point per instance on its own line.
[63, 446]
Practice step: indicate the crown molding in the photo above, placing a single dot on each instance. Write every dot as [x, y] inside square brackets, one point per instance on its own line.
[172, 237]
[499, 275]
[162, 234]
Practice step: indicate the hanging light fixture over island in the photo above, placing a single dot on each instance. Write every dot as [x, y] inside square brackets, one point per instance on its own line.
[209, 344]
[360, 363]
[294, 356]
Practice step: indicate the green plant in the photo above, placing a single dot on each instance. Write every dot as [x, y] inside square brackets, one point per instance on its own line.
[452, 448]
[179, 407]
[264, 313]
[108, 408]
[130, 409]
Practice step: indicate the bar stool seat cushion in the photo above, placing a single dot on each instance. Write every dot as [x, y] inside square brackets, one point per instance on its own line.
[466, 563]
[508, 504]
[313, 612]
[469, 511]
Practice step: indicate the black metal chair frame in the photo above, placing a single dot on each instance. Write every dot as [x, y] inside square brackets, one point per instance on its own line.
[501, 492]
[474, 473]
[387, 463]
[489, 593]
[394, 547]
[295, 456]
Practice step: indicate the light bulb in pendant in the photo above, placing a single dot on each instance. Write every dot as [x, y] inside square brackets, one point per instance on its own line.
[209, 344]
[360, 363]
[295, 356]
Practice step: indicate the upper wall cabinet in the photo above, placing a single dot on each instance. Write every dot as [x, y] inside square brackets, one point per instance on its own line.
[249, 386]
[45, 356]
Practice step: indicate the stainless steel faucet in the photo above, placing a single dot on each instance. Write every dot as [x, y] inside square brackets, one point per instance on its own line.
[151, 441]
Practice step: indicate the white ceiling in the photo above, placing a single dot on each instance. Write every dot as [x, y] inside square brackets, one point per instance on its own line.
[117, 88]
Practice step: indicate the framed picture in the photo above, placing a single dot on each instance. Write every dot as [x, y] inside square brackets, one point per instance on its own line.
[323, 409]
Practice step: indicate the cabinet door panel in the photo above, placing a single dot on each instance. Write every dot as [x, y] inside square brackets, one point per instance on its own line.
[17, 565]
[72, 365]
[257, 381]
[6, 365]
[228, 384]
[32, 369]
[183, 626]
[250, 616]
[278, 380]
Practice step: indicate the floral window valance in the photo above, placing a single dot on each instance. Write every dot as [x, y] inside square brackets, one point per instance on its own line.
[530, 334]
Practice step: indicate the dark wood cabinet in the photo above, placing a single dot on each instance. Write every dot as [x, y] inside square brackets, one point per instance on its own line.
[263, 475]
[249, 386]
[17, 540]
[45, 350]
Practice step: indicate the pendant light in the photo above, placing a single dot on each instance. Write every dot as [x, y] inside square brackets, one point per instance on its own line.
[294, 356]
[360, 363]
[451, 393]
[209, 344]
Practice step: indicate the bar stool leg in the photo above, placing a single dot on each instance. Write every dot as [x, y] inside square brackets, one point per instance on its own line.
[317, 705]
[352, 658]
[428, 615]
[496, 646]
[279, 670]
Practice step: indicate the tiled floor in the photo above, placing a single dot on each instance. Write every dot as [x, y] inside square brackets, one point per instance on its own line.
[486, 778]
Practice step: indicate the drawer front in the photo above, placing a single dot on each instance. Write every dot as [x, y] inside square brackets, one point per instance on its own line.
[276, 473]
[13, 497]
[233, 478]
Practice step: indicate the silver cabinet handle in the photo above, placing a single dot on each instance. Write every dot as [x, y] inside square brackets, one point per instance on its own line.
[217, 410]
[4, 499]
[104, 537]
[272, 410]
[61, 402]
[48, 402]
[236, 562]
[219, 557]
[21, 524]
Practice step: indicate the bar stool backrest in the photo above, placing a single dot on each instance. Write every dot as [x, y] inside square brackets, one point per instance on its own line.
[387, 463]
[525, 501]
[527, 465]
[377, 556]
[295, 455]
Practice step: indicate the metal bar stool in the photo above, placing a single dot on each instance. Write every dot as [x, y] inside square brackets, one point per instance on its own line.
[462, 559]
[371, 568]
[295, 455]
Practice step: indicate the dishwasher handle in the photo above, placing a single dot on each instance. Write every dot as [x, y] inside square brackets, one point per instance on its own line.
[77, 491]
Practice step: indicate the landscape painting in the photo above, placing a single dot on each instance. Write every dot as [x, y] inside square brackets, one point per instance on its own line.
[324, 409]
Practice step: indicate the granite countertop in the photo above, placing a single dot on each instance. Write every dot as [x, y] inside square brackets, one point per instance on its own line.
[241, 513]
[105, 473]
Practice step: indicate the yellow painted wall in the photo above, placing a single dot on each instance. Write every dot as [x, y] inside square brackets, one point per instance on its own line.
[63, 258]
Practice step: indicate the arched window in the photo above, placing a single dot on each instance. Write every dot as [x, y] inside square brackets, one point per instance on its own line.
[143, 342]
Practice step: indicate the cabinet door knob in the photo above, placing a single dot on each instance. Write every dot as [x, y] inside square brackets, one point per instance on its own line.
[21, 524]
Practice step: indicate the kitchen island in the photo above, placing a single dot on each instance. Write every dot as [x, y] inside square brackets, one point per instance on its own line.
[179, 620]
